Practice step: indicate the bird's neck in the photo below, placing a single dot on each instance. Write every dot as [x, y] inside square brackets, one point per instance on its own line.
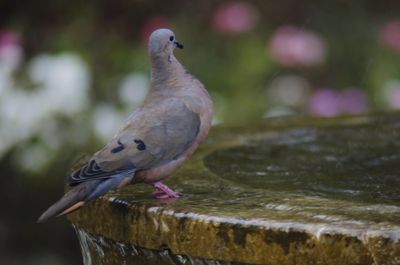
[165, 71]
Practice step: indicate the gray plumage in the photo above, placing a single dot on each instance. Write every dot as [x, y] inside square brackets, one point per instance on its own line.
[155, 140]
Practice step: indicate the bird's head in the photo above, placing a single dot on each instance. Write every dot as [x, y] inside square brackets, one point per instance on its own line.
[162, 42]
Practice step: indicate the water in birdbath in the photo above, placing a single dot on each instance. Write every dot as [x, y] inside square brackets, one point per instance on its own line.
[357, 164]
[286, 191]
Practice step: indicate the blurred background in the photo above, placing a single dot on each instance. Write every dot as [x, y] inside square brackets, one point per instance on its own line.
[70, 72]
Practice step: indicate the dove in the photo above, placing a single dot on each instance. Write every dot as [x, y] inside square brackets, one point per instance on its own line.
[157, 138]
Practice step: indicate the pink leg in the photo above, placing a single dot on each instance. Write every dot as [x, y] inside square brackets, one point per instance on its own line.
[164, 192]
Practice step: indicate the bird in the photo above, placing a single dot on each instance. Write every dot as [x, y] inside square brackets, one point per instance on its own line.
[156, 139]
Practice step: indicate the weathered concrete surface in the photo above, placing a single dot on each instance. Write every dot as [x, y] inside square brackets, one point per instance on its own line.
[286, 191]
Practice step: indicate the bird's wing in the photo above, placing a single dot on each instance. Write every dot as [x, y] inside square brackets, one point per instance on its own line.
[152, 136]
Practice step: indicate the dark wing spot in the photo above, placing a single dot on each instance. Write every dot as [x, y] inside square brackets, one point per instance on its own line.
[140, 145]
[119, 148]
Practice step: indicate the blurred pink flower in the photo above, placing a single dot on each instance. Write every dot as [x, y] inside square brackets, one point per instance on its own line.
[11, 51]
[9, 38]
[390, 34]
[325, 102]
[353, 100]
[235, 17]
[152, 24]
[329, 102]
[292, 46]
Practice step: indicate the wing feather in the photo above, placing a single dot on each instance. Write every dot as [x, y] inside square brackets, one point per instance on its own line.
[92, 171]
[150, 138]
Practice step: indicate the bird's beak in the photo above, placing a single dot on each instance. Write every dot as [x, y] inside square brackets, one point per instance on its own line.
[178, 45]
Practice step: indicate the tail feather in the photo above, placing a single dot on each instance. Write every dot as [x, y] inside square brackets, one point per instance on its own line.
[72, 197]
[72, 208]
[79, 195]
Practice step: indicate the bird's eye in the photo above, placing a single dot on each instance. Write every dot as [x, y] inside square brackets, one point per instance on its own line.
[171, 38]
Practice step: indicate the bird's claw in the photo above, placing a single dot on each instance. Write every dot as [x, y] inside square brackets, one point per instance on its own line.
[164, 192]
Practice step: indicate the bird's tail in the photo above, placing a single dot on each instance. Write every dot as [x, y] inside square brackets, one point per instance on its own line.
[81, 194]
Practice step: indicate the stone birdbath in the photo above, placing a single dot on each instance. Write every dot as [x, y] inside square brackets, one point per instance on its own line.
[284, 191]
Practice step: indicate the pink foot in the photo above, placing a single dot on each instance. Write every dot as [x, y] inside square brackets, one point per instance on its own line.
[164, 192]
